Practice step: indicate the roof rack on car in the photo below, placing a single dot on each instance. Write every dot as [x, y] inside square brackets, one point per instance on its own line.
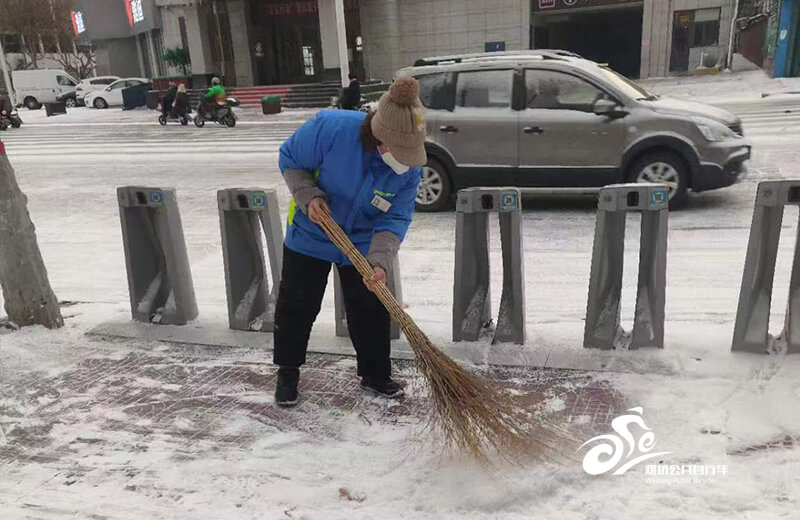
[458, 58]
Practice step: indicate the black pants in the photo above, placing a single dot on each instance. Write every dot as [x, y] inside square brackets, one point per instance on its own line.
[303, 282]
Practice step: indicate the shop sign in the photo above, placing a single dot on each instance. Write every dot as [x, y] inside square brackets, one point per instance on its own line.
[546, 5]
[77, 23]
[300, 8]
[135, 11]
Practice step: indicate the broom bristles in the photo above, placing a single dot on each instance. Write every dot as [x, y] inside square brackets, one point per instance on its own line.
[472, 413]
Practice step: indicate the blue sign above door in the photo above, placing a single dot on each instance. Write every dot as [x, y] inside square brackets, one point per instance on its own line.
[495, 46]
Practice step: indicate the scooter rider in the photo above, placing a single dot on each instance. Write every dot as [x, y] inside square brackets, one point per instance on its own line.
[168, 100]
[5, 104]
[215, 97]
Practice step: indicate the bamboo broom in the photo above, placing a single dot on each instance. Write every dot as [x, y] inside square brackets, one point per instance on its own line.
[473, 414]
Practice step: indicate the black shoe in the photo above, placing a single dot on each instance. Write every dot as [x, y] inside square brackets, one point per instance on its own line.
[286, 387]
[384, 387]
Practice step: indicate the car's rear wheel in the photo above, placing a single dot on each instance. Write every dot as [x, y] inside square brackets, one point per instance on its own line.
[663, 168]
[100, 103]
[70, 102]
[433, 193]
[31, 103]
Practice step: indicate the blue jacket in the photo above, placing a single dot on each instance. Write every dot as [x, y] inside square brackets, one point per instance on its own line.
[329, 146]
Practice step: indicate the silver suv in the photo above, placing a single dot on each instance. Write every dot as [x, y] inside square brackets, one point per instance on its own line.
[552, 119]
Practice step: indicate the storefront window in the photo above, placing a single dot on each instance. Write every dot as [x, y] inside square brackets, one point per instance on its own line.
[705, 30]
[308, 60]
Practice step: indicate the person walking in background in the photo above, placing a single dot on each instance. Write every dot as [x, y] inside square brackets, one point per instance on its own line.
[363, 170]
[351, 95]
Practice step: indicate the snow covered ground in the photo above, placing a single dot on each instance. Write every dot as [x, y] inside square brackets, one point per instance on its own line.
[708, 408]
[724, 87]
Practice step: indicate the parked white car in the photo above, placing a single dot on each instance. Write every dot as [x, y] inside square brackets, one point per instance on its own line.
[111, 96]
[92, 84]
[36, 87]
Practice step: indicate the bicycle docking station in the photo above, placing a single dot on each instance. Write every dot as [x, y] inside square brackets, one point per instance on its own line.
[392, 282]
[751, 330]
[244, 215]
[472, 280]
[603, 329]
[157, 265]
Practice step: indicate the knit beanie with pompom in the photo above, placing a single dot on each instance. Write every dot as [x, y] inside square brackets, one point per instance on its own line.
[399, 122]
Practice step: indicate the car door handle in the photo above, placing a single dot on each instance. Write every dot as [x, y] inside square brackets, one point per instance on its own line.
[533, 130]
[448, 129]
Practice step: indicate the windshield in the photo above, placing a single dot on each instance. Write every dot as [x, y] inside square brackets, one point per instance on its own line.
[628, 87]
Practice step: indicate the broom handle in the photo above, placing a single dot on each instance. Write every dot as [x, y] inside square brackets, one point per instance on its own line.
[343, 242]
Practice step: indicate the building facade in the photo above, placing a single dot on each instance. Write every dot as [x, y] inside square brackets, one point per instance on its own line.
[294, 41]
[783, 39]
[126, 35]
[267, 42]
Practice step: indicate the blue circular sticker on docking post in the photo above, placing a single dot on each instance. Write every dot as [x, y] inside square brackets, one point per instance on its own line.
[259, 200]
[156, 197]
[659, 197]
[509, 200]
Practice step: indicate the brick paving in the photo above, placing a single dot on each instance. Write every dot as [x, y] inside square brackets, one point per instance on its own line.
[123, 400]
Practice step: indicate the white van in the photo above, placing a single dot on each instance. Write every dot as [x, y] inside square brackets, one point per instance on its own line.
[36, 87]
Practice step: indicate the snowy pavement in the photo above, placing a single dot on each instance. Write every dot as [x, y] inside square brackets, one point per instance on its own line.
[726, 86]
[92, 427]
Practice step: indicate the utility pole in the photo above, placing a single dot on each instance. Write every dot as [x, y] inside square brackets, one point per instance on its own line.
[341, 40]
[6, 76]
[216, 9]
[734, 15]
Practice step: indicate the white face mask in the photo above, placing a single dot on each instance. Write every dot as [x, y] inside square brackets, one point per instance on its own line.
[394, 164]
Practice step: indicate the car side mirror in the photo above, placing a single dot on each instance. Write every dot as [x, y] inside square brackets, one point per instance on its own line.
[108, 89]
[609, 108]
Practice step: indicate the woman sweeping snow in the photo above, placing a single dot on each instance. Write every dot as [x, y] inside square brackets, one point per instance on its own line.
[364, 170]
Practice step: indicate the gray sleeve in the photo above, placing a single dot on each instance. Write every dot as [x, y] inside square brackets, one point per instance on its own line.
[302, 186]
[383, 249]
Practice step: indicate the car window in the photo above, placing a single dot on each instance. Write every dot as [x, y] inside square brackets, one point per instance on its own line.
[484, 89]
[118, 84]
[65, 81]
[134, 82]
[101, 81]
[435, 92]
[550, 90]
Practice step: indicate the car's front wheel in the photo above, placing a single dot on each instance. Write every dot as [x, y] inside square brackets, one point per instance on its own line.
[70, 102]
[664, 168]
[433, 193]
[100, 103]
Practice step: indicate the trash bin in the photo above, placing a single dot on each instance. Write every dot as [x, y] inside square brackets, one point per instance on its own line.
[134, 97]
[53, 109]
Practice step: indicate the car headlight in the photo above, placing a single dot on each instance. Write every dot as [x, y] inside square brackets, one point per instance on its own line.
[713, 131]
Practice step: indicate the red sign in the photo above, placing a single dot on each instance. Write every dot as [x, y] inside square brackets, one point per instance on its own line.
[2, 148]
[77, 23]
[129, 11]
[300, 8]
[546, 5]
